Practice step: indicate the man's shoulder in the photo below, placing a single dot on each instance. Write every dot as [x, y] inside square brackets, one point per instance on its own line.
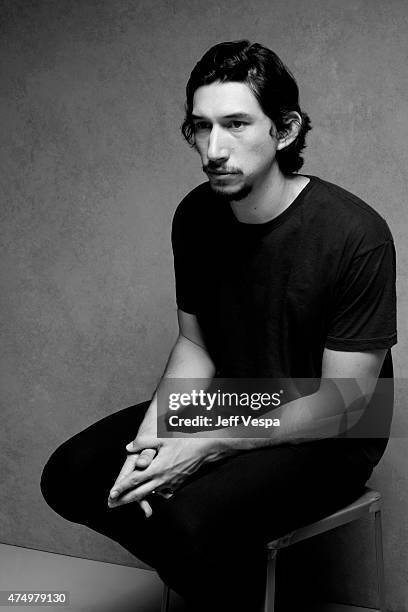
[347, 215]
[197, 201]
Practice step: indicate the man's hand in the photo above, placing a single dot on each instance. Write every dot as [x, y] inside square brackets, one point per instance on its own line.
[135, 462]
[175, 460]
[188, 359]
[143, 456]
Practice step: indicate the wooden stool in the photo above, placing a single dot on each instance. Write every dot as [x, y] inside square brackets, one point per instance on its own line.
[369, 502]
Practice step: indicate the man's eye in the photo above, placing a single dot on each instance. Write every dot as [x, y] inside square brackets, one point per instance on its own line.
[199, 126]
[236, 125]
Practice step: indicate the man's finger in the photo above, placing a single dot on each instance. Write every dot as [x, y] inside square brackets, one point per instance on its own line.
[130, 481]
[138, 494]
[141, 460]
[142, 442]
[145, 458]
[146, 507]
[128, 466]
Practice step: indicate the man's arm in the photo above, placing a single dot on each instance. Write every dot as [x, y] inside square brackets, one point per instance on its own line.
[348, 380]
[189, 359]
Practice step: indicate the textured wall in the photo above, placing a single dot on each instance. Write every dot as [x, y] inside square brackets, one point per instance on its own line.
[92, 169]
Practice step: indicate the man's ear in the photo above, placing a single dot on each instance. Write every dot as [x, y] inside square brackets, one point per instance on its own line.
[293, 124]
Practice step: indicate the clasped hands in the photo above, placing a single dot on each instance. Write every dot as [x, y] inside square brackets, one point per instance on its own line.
[158, 465]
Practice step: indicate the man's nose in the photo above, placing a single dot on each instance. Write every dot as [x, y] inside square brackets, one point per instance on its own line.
[217, 149]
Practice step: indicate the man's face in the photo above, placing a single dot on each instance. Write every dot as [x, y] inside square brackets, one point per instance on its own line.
[233, 138]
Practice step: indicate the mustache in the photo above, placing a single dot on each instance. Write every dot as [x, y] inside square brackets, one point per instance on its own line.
[213, 167]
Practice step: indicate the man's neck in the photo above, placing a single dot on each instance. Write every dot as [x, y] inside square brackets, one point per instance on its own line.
[270, 199]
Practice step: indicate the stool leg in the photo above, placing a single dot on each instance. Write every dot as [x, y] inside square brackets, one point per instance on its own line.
[270, 581]
[165, 598]
[379, 560]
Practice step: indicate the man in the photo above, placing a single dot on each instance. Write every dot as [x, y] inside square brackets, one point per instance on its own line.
[278, 276]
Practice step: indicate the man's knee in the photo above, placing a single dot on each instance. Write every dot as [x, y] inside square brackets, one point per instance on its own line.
[59, 482]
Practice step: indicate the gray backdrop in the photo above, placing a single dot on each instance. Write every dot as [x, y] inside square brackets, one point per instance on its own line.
[93, 166]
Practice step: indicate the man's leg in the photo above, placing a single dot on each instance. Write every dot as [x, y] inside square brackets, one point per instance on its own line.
[78, 476]
[206, 541]
[221, 520]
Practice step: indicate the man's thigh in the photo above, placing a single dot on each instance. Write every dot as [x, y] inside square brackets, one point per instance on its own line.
[248, 498]
[229, 510]
[262, 494]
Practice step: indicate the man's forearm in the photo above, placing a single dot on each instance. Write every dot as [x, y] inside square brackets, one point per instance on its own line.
[333, 409]
[187, 360]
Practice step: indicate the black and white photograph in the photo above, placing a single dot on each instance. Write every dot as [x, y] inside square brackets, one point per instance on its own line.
[203, 305]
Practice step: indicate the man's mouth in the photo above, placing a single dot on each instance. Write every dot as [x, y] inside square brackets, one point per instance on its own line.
[219, 172]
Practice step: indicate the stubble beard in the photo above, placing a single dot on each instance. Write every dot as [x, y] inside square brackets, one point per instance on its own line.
[235, 196]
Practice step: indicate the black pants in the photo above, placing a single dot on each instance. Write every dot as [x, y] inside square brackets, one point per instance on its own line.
[207, 541]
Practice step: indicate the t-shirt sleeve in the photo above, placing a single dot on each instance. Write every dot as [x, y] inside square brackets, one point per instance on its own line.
[183, 257]
[363, 314]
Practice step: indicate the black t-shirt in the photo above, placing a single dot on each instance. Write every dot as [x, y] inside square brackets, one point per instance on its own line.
[270, 297]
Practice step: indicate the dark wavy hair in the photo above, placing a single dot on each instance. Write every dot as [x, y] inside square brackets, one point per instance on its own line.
[270, 81]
